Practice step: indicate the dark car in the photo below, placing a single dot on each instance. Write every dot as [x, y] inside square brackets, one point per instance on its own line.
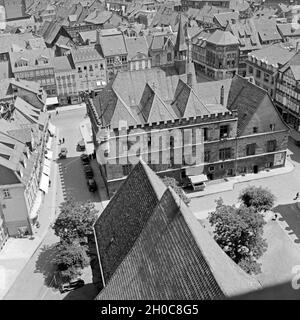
[88, 171]
[63, 153]
[72, 285]
[81, 145]
[85, 159]
[92, 185]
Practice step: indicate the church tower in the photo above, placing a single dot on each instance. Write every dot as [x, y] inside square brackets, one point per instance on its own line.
[181, 49]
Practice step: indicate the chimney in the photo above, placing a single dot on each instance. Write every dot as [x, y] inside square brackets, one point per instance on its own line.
[222, 96]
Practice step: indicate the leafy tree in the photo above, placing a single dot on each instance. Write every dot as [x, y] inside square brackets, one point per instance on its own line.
[75, 220]
[70, 259]
[257, 197]
[171, 182]
[239, 232]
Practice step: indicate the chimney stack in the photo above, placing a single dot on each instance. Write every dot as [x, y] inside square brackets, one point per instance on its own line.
[222, 96]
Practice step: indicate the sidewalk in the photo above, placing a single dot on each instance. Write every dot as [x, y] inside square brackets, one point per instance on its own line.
[16, 252]
[218, 186]
[67, 108]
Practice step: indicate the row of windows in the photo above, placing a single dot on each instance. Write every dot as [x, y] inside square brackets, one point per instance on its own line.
[91, 67]
[35, 73]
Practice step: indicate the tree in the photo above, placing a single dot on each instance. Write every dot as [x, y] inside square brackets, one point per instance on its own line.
[171, 182]
[257, 197]
[70, 259]
[239, 232]
[75, 220]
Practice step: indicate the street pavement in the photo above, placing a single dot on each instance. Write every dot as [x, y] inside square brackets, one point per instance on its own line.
[35, 280]
[284, 187]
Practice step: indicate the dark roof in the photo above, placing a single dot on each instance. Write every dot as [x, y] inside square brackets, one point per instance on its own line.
[180, 44]
[134, 203]
[156, 248]
[7, 175]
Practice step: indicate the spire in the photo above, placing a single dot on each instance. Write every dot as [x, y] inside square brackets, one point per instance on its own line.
[180, 44]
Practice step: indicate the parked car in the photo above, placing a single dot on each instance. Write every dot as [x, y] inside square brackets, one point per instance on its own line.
[72, 285]
[85, 159]
[81, 145]
[92, 185]
[63, 153]
[88, 171]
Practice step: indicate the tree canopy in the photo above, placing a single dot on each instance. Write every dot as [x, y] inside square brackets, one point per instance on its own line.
[239, 232]
[70, 259]
[171, 182]
[258, 198]
[75, 220]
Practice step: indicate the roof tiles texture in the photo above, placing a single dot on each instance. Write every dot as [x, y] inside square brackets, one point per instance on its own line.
[170, 255]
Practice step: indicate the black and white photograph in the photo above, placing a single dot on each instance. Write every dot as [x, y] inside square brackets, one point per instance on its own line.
[149, 151]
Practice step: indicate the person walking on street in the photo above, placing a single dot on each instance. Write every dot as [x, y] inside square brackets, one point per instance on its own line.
[297, 196]
[63, 140]
[57, 112]
[59, 141]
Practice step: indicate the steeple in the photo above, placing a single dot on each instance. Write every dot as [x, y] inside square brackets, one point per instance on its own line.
[181, 47]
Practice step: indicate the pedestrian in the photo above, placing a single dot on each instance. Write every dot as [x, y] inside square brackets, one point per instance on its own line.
[297, 196]
[59, 141]
[275, 216]
[57, 112]
[49, 183]
[63, 140]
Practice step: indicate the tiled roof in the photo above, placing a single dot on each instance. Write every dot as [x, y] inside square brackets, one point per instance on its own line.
[89, 35]
[245, 97]
[7, 41]
[85, 53]
[116, 238]
[186, 103]
[224, 17]
[223, 38]
[294, 64]
[152, 109]
[112, 45]
[247, 34]
[161, 251]
[287, 30]
[98, 17]
[273, 54]
[31, 56]
[267, 29]
[136, 45]
[62, 63]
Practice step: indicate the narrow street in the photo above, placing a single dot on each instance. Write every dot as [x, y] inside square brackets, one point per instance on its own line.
[34, 282]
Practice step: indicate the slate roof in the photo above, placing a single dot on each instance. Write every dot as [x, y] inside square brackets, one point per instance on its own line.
[89, 35]
[62, 64]
[223, 38]
[161, 251]
[159, 41]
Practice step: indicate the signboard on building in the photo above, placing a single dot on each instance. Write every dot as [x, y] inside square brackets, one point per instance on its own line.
[279, 159]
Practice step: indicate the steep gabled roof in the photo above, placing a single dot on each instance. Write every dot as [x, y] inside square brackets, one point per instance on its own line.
[180, 44]
[125, 216]
[170, 256]
[186, 103]
[152, 108]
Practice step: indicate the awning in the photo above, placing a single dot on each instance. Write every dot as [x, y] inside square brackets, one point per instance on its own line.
[49, 155]
[44, 183]
[36, 205]
[52, 100]
[46, 170]
[47, 162]
[49, 143]
[51, 128]
[198, 179]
